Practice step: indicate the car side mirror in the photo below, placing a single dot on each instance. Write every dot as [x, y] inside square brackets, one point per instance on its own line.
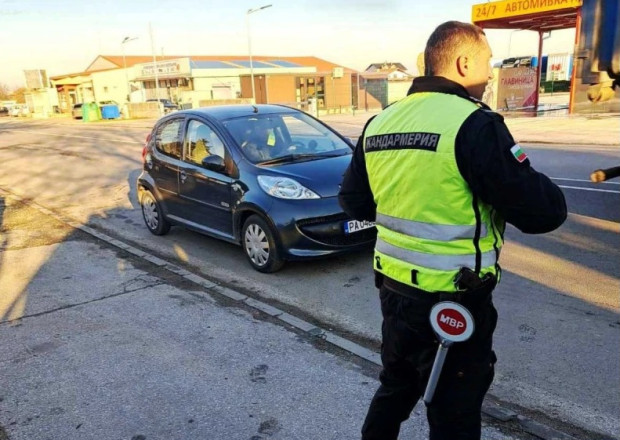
[214, 163]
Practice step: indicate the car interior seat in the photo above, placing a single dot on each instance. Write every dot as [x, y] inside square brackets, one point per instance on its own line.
[202, 144]
[255, 142]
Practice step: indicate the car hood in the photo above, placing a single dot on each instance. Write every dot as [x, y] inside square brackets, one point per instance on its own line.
[323, 176]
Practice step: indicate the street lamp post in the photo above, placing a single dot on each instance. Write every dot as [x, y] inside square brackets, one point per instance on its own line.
[247, 22]
[510, 39]
[126, 40]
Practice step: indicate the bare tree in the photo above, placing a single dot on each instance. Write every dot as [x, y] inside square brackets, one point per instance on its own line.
[5, 92]
[19, 94]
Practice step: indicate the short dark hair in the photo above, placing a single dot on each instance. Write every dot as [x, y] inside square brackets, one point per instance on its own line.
[445, 42]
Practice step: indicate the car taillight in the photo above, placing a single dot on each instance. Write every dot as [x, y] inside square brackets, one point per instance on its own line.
[146, 147]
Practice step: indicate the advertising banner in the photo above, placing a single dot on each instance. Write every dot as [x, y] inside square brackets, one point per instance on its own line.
[165, 68]
[516, 88]
[516, 8]
[36, 79]
[490, 93]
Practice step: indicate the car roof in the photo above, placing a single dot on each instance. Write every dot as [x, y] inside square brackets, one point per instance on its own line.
[223, 112]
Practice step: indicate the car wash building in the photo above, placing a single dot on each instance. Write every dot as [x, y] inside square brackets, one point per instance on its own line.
[519, 86]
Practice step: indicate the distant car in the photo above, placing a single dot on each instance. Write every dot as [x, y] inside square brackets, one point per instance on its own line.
[265, 177]
[169, 106]
[19, 110]
[76, 111]
[4, 111]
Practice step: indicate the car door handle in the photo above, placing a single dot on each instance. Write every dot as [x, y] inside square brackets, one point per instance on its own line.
[183, 176]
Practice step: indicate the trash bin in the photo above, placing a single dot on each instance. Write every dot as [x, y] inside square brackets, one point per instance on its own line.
[90, 112]
[110, 111]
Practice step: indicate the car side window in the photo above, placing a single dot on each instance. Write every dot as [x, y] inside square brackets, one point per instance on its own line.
[201, 141]
[168, 140]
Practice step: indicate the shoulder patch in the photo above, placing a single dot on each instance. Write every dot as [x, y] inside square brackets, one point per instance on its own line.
[518, 153]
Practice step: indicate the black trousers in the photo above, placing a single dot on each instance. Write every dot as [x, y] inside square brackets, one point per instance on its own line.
[408, 351]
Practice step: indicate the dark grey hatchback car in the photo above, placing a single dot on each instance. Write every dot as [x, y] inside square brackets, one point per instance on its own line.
[265, 177]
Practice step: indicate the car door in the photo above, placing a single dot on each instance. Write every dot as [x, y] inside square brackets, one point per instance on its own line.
[166, 160]
[205, 194]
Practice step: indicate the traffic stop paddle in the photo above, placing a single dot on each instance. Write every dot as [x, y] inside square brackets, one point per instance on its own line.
[606, 174]
[452, 323]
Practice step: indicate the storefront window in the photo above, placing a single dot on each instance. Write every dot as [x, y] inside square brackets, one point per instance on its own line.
[310, 88]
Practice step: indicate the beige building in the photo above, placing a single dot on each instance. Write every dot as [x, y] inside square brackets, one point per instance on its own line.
[381, 84]
[193, 81]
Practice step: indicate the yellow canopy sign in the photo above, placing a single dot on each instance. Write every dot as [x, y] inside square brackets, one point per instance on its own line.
[514, 8]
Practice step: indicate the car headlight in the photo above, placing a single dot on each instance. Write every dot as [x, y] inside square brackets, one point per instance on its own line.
[285, 188]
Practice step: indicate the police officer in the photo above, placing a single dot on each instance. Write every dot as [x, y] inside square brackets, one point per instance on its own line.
[440, 174]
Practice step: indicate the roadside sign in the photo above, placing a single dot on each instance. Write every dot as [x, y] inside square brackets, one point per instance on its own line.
[452, 321]
[510, 8]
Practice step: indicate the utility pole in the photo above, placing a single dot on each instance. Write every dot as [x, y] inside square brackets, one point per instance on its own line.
[247, 22]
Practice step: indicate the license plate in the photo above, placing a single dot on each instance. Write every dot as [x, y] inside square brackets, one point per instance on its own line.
[354, 226]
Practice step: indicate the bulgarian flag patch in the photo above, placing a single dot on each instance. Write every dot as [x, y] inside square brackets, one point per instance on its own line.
[518, 153]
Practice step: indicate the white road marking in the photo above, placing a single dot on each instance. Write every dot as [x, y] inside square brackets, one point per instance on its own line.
[585, 180]
[570, 147]
[590, 189]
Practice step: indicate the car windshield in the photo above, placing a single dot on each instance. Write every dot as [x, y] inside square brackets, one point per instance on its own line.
[285, 137]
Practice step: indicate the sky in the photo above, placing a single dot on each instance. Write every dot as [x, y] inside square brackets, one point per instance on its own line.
[65, 36]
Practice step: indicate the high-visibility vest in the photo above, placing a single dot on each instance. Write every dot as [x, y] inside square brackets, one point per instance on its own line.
[429, 223]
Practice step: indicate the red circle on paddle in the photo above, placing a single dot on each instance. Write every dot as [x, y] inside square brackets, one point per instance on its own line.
[452, 321]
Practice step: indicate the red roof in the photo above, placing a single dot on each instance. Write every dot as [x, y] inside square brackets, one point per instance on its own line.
[320, 64]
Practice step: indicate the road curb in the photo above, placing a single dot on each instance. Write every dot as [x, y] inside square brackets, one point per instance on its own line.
[493, 410]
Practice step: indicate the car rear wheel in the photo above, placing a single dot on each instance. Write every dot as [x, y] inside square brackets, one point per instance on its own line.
[260, 245]
[153, 215]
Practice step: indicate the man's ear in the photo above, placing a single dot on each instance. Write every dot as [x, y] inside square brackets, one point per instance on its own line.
[462, 65]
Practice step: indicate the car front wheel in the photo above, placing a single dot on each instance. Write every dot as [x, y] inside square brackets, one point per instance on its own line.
[260, 245]
[153, 215]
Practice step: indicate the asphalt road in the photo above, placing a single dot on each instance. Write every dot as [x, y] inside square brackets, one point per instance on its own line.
[557, 338]
[113, 344]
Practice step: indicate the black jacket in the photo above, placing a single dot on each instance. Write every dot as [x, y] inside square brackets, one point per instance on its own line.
[524, 197]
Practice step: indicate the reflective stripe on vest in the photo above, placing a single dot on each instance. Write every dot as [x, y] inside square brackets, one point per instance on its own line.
[429, 223]
[433, 261]
[428, 230]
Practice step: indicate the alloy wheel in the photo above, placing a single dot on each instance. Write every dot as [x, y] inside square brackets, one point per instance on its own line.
[151, 216]
[257, 244]
[152, 213]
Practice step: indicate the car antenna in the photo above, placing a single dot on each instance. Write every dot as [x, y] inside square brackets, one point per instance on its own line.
[255, 108]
